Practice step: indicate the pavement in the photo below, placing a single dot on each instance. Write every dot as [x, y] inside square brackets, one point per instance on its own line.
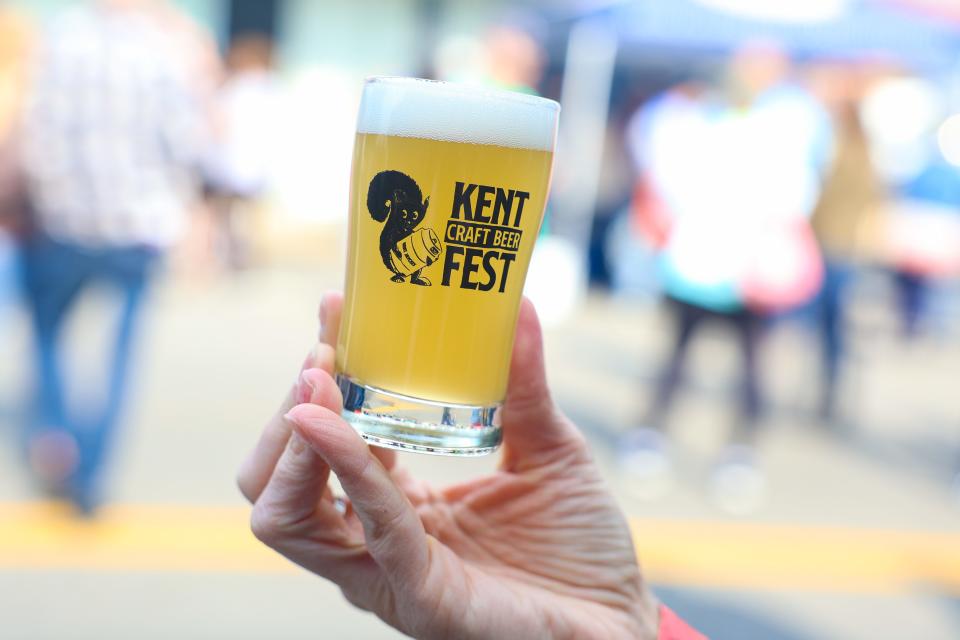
[860, 538]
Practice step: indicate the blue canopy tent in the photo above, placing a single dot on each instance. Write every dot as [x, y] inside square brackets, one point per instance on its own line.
[892, 30]
[603, 35]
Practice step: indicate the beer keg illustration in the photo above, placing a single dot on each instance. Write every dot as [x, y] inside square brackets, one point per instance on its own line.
[418, 250]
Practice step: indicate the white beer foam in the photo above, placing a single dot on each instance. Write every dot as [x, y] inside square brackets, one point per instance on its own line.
[414, 108]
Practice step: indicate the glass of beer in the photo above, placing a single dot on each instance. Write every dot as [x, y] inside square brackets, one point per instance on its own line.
[447, 194]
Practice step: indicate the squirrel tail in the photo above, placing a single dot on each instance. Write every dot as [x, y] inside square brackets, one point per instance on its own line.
[382, 189]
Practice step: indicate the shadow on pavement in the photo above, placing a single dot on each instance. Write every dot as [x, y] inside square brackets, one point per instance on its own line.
[953, 605]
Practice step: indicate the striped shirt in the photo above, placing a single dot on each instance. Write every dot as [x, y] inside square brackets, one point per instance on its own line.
[112, 130]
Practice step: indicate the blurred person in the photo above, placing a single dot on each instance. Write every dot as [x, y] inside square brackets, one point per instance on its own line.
[509, 54]
[726, 183]
[15, 44]
[514, 58]
[513, 55]
[113, 127]
[915, 149]
[538, 549]
[924, 238]
[16, 37]
[845, 220]
[613, 197]
[15, 47]
[238, 171]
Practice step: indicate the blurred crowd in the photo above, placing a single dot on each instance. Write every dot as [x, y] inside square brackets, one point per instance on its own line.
[742, 192]
[761, 194]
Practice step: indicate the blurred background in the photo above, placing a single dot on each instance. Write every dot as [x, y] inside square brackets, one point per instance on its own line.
[756, 207]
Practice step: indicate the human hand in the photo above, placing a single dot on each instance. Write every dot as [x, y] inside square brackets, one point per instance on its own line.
[538, 549]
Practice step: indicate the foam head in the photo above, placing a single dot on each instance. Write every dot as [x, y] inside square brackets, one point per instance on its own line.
[414, 108]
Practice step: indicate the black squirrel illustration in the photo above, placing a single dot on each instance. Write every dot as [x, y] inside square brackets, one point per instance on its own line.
[395, 198]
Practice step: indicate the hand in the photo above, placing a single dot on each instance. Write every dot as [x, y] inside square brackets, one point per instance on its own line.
[539, 549]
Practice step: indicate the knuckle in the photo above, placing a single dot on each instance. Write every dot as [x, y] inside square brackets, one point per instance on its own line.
[386, 525]
[357, 598]
[351, 469]
[245, 485]
[578, 441]
[265, 525]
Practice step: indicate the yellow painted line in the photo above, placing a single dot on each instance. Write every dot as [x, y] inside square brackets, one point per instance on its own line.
[162, 538]
[751, 555]
[133, 538]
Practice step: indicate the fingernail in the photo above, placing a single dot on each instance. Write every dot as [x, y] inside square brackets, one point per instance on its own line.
[290, 417]
[305, 388]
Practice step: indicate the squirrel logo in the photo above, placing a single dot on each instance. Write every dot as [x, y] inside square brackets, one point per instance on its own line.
[395, 199]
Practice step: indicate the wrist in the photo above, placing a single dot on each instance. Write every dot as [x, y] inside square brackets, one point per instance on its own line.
[648, 616]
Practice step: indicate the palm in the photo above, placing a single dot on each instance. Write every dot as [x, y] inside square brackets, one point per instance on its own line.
[543, 539]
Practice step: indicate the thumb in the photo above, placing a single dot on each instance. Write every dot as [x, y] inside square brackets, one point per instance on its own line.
[533, 427]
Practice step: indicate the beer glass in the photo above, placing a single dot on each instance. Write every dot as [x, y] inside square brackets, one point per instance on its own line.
[447, 194]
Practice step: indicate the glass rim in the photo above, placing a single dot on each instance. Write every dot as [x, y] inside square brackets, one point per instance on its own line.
[467, 89]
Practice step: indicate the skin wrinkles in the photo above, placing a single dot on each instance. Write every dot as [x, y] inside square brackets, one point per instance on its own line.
[537, 549]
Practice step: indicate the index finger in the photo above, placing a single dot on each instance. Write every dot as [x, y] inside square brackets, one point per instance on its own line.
[394, 534]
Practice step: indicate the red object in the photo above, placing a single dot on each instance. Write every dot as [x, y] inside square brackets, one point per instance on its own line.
[673, 628]
[649, 214]
[785, 269]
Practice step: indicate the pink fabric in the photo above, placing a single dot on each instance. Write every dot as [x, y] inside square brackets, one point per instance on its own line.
[673, 628]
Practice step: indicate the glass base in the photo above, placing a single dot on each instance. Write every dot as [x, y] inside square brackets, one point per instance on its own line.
[396, 421]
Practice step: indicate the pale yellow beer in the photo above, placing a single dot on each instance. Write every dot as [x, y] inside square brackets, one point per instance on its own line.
[440, 342]
[443, 220]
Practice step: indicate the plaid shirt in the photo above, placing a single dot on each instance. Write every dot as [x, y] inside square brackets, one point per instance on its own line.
[112, 130]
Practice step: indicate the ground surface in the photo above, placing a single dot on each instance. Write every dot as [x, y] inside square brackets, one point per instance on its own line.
[860, 538]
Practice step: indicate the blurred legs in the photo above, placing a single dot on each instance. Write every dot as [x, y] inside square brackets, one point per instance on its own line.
[687, 318]
[747, 324]
[65, 453]
[53, 277]
[96, 441]
[833, 343]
